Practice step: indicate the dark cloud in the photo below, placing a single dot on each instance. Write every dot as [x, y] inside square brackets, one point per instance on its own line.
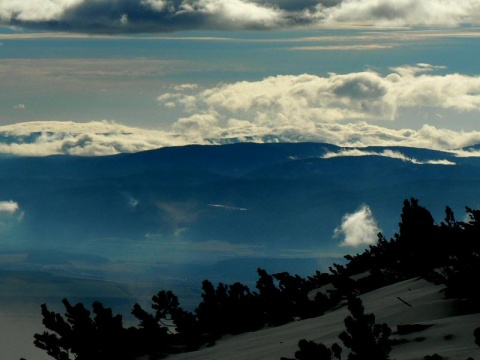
[361, 86]
[117, 16]
[145, 16]
[300, 5]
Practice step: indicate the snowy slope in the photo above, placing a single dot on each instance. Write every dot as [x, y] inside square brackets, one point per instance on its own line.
[451, 334]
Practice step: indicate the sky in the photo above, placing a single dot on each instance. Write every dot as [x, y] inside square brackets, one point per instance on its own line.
[101, 77]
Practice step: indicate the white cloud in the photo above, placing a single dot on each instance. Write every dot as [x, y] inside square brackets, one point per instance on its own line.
[386, 153]
[35, 10]
[85, 139]
[106, 138]
[185, 87]
[9, 207]
[225, 207]
[196, 127]
[358, 47]
[237, 13]
[158, 5]
[124, 19]
[401, 12]
[358, 229]
[307, 100]
[332, 109]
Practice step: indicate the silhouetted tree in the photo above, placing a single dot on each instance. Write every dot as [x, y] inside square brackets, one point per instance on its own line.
[276, 307]
[364, 338]
[229, 309]
[99, 338]
[336, 351]
[416, 240]
[171, 329]
[476, 334]
[151, 337]
[310, 350]
[294, 291]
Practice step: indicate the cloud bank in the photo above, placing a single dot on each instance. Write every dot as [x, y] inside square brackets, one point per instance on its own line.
[333, 108]
[135, 16]
[87, 139]
[84, 139]
[336, 109]
[358, 228]
[308, 99]
[386, 153]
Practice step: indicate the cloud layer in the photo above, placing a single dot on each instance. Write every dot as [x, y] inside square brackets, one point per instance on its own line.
[336, 109]
[358, 228]
[386, 153]
[99, 138]
[333, 109]
[128, 16]
[85, 139]
[306, 99]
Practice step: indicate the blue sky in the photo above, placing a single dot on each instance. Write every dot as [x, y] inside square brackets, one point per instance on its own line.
[113, 76]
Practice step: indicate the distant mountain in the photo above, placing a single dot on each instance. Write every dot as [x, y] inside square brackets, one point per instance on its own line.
[276, 196]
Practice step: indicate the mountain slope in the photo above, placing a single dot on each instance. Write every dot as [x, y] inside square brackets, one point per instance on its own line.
[451, 333]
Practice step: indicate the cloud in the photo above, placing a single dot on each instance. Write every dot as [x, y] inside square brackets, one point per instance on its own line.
[305, 101]
[184, 87]
[179, 248]
[290, 98]
[94, 73]
[358, 47]
[8, 207]
[98, 138]
[386, 153]
[225, 207]
[130, 200]
[178, 214]
[402, 12]
[142, 16]
[291, 108]
[358, 228]
[134, 16]
[84, 139]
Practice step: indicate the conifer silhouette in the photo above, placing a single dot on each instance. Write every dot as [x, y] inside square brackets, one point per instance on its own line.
[365, 339]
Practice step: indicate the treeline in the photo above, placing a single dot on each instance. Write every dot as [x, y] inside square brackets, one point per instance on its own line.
[443, 253]
[167, 328]
[448, 253]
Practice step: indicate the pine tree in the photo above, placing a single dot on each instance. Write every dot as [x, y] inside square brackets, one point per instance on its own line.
[365, 339]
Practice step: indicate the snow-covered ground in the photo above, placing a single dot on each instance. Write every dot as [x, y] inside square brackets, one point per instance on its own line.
[16, 335]
[451, 334]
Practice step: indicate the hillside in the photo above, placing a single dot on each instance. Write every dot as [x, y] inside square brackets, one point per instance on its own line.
[428, 307]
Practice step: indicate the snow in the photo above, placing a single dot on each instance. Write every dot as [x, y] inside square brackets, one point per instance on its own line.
[16, 335]
[450, 336]
[451, 333]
